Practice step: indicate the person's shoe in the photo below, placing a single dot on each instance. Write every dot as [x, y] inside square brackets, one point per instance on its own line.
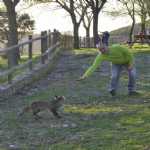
[113, 92]
[133, 93]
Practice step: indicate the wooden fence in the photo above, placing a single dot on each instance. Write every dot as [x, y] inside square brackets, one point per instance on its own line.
[49, 44]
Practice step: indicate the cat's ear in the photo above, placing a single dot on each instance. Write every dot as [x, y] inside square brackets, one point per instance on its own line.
[63, 97]
[56, 97]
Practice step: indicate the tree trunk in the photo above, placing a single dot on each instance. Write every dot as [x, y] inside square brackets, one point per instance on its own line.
[131, 30]
[13, 34]
[143, 28]
[76, 35]
[148, 6]
[143, 23]
[95, 27]
[88, 37]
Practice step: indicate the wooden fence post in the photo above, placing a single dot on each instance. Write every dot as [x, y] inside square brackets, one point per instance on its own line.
[70, 42]
[56, 36]
[49, 39]
[88, 42]
[11, 61]
[30, 52]
[43, 45]
[80, 41]
[10, 74]
[65, 41]
[84, 42]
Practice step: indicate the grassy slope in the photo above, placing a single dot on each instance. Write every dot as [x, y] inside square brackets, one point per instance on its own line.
[126, 30]
[92, 119]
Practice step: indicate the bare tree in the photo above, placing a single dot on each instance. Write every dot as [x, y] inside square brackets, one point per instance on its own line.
[88, 17]
[76, 10]
[130, 7]
[147, 2]
[142, 12]
[96, 6]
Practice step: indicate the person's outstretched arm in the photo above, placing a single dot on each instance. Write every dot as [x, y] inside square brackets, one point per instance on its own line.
[93, 67]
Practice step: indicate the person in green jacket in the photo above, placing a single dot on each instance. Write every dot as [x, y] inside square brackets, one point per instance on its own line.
[120, 57]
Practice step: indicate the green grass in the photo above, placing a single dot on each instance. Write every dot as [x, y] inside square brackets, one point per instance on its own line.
[140, 46]
[23, 59]
[3, 63]
[92, 119]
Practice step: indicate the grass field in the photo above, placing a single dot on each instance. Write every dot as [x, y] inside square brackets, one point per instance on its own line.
[18, 72]
[92, 119]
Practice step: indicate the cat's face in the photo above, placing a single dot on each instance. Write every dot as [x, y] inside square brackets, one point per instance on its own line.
[61, 98]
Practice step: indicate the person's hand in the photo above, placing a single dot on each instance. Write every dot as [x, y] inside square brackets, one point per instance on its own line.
[103, 49]
[130, 67]
[81, 78]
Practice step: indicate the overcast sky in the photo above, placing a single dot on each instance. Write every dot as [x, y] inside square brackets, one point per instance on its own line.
[46, 17]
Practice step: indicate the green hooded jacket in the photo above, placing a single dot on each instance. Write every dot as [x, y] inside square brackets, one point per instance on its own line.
[117, 54]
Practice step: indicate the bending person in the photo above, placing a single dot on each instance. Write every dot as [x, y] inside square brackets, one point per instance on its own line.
[120, 57]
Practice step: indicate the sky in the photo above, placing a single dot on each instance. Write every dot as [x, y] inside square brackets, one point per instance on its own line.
[48, 18]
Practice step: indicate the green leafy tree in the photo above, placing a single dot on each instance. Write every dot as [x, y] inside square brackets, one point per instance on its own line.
[3, 27]
[25, 24]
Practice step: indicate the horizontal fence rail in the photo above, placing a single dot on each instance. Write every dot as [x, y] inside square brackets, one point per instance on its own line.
[26, 64]
[49, 42]
[6, 50]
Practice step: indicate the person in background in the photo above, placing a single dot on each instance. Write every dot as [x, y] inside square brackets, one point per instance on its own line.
[105, 37]
[120, 57]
